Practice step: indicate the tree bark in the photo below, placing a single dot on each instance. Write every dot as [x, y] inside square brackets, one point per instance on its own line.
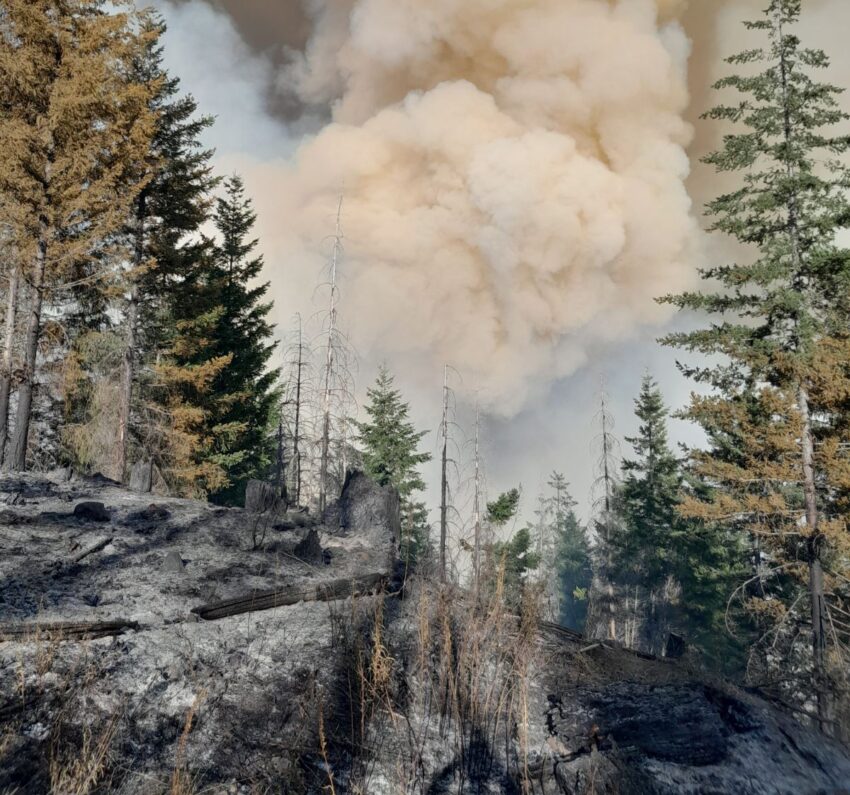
[816, 586]
[8, 348]
[128, 364]
[17, 460]
[444, 482]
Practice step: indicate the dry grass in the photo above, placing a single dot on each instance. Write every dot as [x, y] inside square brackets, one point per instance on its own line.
[182, 782]
[463, 691]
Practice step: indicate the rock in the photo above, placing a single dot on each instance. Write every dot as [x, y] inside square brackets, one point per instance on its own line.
[141, 477]
[260, 497]
[370, 513]
[310, 550]
[91, 512]
[173, 563]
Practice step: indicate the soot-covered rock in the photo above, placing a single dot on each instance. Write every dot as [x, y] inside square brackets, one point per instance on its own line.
[91, 512]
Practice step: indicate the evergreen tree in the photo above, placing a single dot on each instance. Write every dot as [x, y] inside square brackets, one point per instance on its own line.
[515, 559]
[151, 403]
[390, 456]
[571, 568]
[73, 127]
[648, 500]
[244, 396]
[503, 508]
[776, 309]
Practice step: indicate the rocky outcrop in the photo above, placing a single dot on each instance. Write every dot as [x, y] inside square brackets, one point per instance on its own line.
[290, 661]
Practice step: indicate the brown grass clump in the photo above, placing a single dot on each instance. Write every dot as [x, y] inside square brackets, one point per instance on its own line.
[182, 782]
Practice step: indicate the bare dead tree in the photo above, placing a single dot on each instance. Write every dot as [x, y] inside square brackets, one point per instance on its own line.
[476, 504]
[337, 383]
[298, 391]
[444, 476]
[604, 491]
[329, 363]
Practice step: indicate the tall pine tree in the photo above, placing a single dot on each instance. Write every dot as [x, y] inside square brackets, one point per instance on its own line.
[391, 456]
[775, 310]
[571, 566]
[244, 396]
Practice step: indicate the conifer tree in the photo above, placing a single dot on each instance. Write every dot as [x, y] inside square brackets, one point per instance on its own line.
[244, 395]
[73, 126]
[644, 558]
[778, 307]
[391, 456]
[171, 206]
[570, 570]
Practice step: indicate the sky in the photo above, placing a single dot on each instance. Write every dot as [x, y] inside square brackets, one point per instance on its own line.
[391, 136]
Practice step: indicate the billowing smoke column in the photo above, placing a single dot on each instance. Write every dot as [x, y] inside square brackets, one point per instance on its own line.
[513, 173]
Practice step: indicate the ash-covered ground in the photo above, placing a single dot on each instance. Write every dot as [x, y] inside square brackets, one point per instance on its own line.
[113, 680]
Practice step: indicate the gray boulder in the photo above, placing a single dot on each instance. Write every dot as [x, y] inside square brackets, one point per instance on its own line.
[141, 477]
[173, 563]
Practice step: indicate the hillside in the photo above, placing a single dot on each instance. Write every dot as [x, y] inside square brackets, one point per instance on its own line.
[136, 656]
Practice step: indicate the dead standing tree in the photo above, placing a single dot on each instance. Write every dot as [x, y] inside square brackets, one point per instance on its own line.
[337, 387]
[448, 461]
[299, 392]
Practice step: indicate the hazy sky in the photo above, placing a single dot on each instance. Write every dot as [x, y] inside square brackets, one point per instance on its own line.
[232, 55]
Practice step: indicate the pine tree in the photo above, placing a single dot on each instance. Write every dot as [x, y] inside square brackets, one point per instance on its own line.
[244, 396]
[515, 559]
[643, 559]
[390, 456]
[777, 307]
[570, 569]
[73, 126]
[170, 206]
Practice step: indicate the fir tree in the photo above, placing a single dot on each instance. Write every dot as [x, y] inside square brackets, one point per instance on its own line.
[390, 456]
[648, 498]
[244, 396]
[777, 307]
[503, 508]
[171, 205]
[515, 559]
[571, 569]
[73, 127]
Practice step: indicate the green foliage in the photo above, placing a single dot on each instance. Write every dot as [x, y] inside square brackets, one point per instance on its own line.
[564, 551]
[517, 560]
[648, 499]
[390, 446]
[503, 508]
[772, 314]
[244, 396]
[792, 202]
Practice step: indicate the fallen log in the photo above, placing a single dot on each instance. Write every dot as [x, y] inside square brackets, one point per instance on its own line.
[291, 595]
[65, 631]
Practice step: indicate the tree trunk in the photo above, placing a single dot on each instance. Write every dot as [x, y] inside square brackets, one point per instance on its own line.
[17, 460]
[444, 481]
[8, 348]
[296, 441]
[816, 587]
[128, 365]
[128, 374]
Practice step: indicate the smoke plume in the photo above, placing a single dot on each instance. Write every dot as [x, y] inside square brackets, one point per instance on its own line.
[513, 174]
[514, 179]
